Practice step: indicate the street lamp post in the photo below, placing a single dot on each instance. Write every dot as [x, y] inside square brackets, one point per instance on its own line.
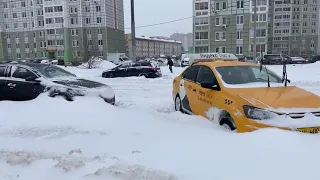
[133, 32]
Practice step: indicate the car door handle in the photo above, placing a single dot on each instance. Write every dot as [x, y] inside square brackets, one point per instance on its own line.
[11, 85]
[194, 90]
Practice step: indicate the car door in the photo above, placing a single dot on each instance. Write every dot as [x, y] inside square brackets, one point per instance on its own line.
[3, 80]
[206, 98]
[18, 88]
[135, 69]
[122, 70]
[187, 89]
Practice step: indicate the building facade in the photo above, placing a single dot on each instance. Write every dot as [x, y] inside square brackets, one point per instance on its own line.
[282, 26]
[295, 27]
[186, 39]
[153, 47]
[61, 29]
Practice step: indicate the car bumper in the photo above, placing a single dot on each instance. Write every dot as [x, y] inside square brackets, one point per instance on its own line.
[111, 101]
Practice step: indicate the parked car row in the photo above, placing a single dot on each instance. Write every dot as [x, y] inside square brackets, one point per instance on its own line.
[277, 59]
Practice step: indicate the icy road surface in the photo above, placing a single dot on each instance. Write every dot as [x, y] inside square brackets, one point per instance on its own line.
[143, 138]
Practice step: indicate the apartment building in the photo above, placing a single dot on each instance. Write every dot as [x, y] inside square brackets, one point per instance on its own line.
[153, 47]
[60, 29]
[295, 27]
[226, 26]
[282, 26]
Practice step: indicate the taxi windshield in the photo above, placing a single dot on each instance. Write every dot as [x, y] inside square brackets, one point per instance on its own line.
[246, 74]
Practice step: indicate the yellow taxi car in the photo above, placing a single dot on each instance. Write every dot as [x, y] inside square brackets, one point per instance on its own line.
[237, 96]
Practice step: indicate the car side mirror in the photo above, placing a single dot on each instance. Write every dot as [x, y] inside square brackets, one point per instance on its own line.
[32, 79]
[209, 85]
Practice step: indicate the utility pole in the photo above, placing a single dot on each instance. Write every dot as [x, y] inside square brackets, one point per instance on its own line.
[133, 32]
[255, 30]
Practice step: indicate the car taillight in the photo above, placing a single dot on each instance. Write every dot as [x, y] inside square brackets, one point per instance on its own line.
[152, 68]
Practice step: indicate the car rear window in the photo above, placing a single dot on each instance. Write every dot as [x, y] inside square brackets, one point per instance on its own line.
[145, 64]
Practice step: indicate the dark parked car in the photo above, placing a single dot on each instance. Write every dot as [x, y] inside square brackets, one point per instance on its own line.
[145, 69]
[26, 81]
[314, 59]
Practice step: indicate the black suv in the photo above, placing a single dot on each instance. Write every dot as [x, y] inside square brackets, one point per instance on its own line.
[26, 81]
[145, 69]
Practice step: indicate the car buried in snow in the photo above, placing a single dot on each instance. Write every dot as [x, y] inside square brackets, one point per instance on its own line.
[26, 81]
[243, 96]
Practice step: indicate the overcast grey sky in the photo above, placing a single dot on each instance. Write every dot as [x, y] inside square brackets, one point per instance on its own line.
[158, 11]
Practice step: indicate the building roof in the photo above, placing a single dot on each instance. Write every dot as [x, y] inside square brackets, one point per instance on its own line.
[155, 39]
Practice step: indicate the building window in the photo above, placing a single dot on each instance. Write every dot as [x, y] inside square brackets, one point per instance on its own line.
[201, 21]
[239, 34]
[201, 35]
[98, 8]
[74, 32]
[201, 6]
[240, 19]
[220, 36]
[75, 43]
[23, 4]
[239, 4]
[224, 5]
[262, 32]
[88, 20]
[14, 15]
[58, 20]
[99, 31]
[239, 50]
[99, 20]
[100, 42]
[221, 49]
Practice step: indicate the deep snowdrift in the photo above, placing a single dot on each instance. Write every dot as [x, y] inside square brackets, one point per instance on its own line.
[143, 138]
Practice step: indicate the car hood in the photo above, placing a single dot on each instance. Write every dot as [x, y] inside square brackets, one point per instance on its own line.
[79, 83]
[290, 97]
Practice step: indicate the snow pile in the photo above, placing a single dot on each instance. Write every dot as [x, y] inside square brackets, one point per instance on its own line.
[131, 172]
[67, 162]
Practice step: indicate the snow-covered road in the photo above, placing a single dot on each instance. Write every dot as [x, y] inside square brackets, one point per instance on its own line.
[143, 138]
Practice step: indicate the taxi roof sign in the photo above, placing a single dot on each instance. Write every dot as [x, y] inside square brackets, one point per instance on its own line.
[211, 57]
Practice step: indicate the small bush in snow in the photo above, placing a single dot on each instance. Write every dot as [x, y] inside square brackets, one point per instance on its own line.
[92, 63]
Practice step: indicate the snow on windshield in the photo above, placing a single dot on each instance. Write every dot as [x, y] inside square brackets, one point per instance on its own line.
[53, 72]
[247, 76]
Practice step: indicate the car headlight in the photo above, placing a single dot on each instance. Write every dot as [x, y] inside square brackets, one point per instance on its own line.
[257, 113]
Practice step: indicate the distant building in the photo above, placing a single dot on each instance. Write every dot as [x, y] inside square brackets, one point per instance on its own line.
[153, 47]
[186, 39]
[60, 29]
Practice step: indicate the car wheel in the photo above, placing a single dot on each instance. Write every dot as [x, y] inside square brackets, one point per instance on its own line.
[146, 76]
[110, 75]
[66, 96]
[227, 124]
[177, 104]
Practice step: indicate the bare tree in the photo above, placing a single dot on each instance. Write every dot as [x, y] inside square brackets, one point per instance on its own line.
[89, 52]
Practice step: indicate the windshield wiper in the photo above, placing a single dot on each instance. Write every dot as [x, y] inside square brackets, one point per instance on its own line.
[261, 65]
[284, 73]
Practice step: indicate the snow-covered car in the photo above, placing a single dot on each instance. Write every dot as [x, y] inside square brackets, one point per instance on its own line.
[26, 81]
[244, 96]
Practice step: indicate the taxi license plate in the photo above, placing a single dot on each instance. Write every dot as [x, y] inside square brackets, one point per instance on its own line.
[312, 130]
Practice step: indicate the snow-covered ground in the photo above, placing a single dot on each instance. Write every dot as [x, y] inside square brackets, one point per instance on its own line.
[143, 138]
